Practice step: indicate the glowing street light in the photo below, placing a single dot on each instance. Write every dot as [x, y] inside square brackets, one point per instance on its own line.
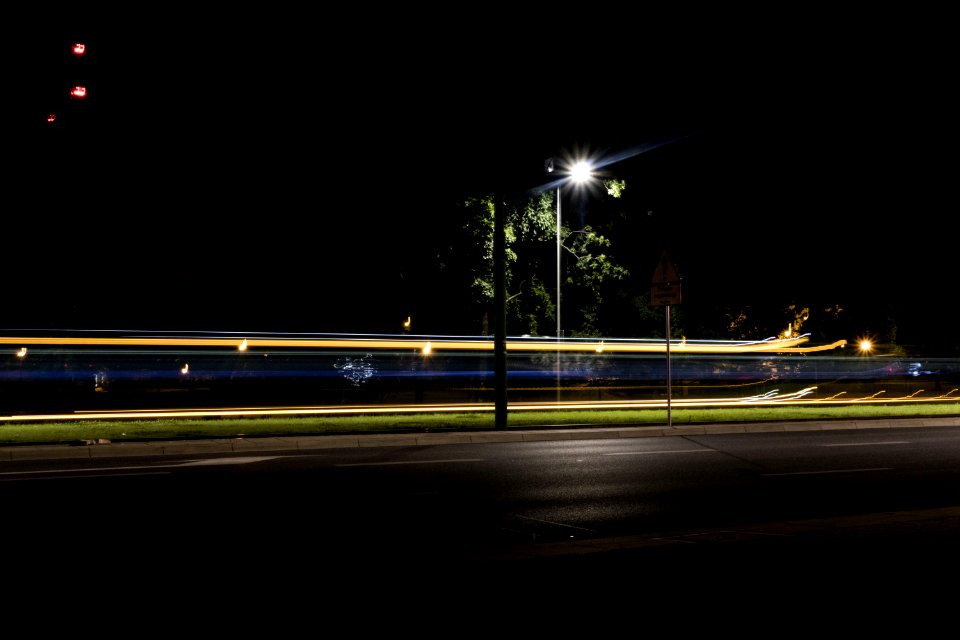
[579, 173]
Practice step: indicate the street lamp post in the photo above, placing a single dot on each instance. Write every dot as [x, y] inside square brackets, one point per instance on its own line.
[579, 173]
[559, 334]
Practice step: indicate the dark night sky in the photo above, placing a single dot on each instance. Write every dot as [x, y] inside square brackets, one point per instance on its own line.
[216, 167]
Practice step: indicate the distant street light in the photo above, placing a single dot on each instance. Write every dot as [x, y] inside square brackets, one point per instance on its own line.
[579, 173]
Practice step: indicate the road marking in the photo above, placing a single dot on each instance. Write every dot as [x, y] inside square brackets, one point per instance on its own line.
[142, 469]
[223, 461]
[556, 524]
[811, 473]
[384, 464]
[84, 476]
[866, 444]
[644, 453]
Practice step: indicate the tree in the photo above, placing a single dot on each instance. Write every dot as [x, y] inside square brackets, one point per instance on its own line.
[466, 261]
[460, 272]
[585, 280]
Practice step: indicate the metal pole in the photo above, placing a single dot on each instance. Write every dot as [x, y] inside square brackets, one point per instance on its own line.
[559, 334]
[669, 374]
[559, 330]
[500, 314]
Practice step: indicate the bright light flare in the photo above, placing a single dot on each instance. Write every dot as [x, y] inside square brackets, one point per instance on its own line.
[79, 92]
[581, 172]
[79, 49]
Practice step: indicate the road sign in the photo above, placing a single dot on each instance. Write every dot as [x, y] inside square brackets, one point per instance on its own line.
[665, 288]
[664, 294]
[665, 272]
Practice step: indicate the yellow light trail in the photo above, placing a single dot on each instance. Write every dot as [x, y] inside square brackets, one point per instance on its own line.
[789, 345]
[796, 398]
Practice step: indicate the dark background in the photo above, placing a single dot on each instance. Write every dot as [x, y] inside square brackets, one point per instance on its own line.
[279, 172]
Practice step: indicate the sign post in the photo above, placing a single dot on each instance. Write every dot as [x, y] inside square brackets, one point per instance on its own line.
[665, 291]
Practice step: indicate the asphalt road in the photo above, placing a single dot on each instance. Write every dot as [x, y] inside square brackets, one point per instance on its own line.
[390, 523]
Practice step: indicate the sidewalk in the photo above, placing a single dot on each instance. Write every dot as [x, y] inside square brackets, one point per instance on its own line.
[153, 448]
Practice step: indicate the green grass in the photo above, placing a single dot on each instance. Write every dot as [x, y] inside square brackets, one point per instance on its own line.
[158, 429]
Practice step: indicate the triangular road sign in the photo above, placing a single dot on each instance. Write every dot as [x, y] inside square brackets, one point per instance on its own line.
[665, 272]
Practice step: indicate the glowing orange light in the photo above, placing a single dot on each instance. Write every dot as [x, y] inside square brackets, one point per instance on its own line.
[78, 92]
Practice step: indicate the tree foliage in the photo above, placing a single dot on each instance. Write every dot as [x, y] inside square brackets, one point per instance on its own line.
[588, 269]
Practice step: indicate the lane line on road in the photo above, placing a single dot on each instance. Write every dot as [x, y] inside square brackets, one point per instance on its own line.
[866, 444]
[644, 453]
[813, 473]
[385, 464]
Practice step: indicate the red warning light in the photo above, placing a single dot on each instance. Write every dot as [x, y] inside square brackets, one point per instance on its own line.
[79, 49]
[78, 92]
[51, 117]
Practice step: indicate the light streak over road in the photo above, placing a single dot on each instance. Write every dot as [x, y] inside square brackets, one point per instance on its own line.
[798, 398]
[433, 344]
